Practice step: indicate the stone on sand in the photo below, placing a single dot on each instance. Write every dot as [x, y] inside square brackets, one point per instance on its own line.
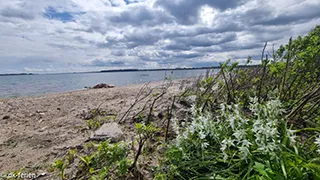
[110, 131]
[102, 85]
[6, 117]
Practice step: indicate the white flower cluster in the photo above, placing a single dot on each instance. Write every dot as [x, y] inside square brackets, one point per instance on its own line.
[236, 132]
[265, 126]
[317, 142]
[237, 126]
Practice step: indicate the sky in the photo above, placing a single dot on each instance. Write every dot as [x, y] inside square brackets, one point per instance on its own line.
[49, 36]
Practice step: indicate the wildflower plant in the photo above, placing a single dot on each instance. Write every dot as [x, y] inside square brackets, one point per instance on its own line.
[237, 143]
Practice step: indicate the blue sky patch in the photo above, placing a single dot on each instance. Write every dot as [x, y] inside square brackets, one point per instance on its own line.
[130, 1]
[52, 13]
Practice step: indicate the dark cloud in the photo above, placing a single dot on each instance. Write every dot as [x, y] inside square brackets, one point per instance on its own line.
[235, 46]
[142, 37]
[118, 52]
[181, 40]
[266, 16]
[103, 63]
[187, 43]
[187, 11]
[230, 46]
[137, 37]
[141, 15]
[293, 18]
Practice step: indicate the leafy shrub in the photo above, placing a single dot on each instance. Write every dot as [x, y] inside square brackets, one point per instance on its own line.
[109, 160]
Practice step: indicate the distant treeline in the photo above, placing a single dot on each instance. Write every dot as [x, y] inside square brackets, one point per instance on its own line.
[170, 69]
[17, 74]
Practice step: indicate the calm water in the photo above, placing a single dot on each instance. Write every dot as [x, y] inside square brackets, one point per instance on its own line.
[34, 85]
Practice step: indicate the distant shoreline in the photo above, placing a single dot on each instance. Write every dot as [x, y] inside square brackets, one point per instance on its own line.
[172, 69]
[130, 70]
[17, 74]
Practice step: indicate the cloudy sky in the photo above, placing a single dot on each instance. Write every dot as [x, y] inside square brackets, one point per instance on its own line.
[46, 36]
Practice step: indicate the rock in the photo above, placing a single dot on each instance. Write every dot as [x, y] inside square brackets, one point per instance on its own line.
[110, 131]
[41, 174]
[42, 129]
[86, 114]
[3, 155]
[32, 114]
[188, 101]
[161, 115]
[40, 112]
[102, 85]
[6, 117]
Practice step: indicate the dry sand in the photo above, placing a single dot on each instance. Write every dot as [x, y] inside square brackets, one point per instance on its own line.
[40, 129]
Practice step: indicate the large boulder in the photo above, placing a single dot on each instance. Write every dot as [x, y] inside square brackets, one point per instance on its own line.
[110, 131]
[102, 85]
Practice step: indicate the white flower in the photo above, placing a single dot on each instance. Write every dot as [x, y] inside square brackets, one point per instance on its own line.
[204, 119]
[236, 109]
[239, 134]
[185, 135]
[253, 100]
[193, 110]
[243, 121]
[226, 143]
[191, 128]
[292, 136]
[205, 145]
[246, 143]
[175, 125]
[223, 146]
[244, 152]
[225, 157]
[202, 135]
[231, 120]
[178, 141]
[257, 125]
[223, 107]
[317, 142]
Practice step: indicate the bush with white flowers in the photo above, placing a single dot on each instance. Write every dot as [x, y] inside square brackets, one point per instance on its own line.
[236, 142]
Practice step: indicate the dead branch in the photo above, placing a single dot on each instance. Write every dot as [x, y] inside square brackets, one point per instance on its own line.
[137, 99]
[169, 118]
[308, 97]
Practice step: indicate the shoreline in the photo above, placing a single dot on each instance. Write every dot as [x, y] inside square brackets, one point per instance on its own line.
[84, 89]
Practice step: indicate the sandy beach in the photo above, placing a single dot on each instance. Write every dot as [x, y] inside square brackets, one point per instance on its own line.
[37, 130]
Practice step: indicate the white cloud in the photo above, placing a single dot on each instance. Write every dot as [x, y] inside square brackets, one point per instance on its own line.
[83, 35]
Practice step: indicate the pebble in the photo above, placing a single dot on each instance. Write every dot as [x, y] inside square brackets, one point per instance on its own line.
[6, 117]
[42, 129]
